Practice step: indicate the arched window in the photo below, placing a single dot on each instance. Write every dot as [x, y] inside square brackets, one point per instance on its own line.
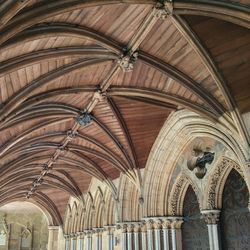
[235, 217]
[194, 230]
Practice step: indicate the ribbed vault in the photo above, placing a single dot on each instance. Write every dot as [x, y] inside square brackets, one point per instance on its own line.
[85, 87]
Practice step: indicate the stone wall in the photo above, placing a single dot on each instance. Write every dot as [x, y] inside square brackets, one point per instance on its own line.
[23, 230]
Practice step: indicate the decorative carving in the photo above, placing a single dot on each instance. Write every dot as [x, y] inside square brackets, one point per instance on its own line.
[176, 222]
[215, 179]
[127, 61]
[71, 134]
[211, 216]
[163, 9]
[235, 217]
[166, 224]
[198, 163]
[84, 119]
[4, 226]
[150, 224]
[158, 224]
[176, 195]
[141, 200]
[130, 228]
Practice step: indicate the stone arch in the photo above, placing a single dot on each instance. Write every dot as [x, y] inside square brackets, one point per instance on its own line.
[111, 214]
[180, 129]
[178, 193]
[90, 210]
[68, 218]
[129, 208]
[216, 182]
[99, 204]
[74, 217]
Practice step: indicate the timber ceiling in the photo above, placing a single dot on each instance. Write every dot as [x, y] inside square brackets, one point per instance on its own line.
[85, 86]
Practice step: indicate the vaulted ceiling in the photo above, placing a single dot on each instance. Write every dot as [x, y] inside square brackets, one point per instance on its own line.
[85, 86]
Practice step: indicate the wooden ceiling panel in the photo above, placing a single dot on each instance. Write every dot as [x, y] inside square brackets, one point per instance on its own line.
[167, 43]
[82, 179]
[60, 198]
[15, 81]
[246, 2]
[117, 22]
[142, 126]
[17, 48]
[145, 77]
[230, 48]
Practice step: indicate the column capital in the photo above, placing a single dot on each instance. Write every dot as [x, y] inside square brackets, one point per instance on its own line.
[88, 233]
[175, 222]
[110, 228]
[211, 216]
[98, 230]
[80, 234]
[166, 223]
[150, 224]
[130, 227]
[122, 226]
[157, 223]
[138, 227]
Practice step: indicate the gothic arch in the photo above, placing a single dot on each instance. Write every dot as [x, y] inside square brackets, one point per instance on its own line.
[129, 206]
[178, 194]
[181, 128]
[216, 182]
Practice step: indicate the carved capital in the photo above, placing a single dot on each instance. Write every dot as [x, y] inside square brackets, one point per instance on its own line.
[98, 231]
[110, 229]
[166, 224]
[130, 228]
[158, 224]
[88, 233]
[211, 216]
[137, 227]
[175, 222]
[150, 224]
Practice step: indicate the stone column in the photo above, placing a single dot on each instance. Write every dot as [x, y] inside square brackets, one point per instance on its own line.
[130, 231]
[211, 218]
[124, 236]
[110, 236]
[53, 237]
[144, 245]
[150, 237]
[67, 242]
[137, 230]
[166, 232]
[98, 238]
[73, 242]
[89, 239]
[157, 232]
[80, 241]
[175, 224]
